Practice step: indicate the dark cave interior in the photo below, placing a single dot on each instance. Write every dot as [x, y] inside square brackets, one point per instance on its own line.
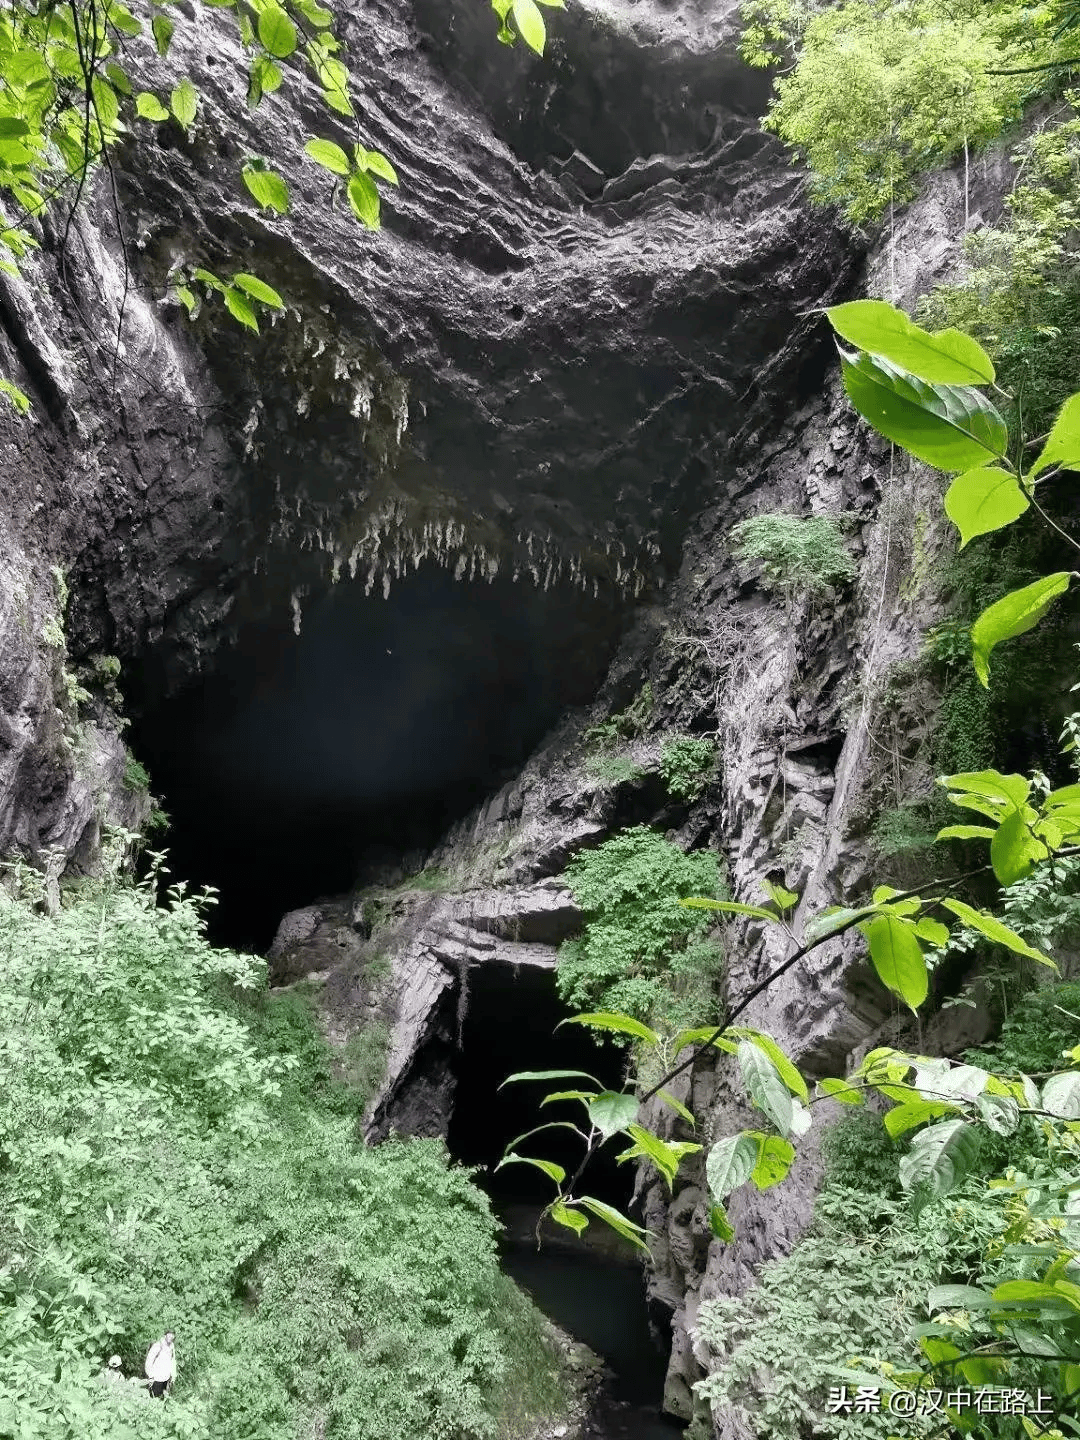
[511, 1025]
[298, 761]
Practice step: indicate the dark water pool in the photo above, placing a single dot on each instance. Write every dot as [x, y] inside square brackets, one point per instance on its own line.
[601, 1302]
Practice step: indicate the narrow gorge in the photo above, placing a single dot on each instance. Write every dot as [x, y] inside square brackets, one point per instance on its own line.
[393, 609]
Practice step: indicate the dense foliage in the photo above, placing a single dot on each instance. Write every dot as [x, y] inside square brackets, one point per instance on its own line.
[175, 1153]
[641, 951]
[799, 554]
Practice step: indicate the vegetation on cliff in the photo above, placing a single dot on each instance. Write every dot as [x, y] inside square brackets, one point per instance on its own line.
[175, 1152]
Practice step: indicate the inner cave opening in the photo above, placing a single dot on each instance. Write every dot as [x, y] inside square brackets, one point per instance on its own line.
[592, 1285]
[298, 761]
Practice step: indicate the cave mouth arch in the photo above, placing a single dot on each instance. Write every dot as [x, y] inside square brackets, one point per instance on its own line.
[297, 761]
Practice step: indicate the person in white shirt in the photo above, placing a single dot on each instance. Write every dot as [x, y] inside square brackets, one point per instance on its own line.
[161, 1365]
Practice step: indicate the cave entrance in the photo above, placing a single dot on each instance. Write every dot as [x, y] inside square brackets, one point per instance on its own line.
[593, 1286]
[296, 761]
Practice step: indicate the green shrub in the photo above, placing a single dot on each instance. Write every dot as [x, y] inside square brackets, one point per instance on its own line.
[136, 776]
[614, 769]
[635, 929]
[686, 764]
[1042, 1026]
[800, 554]
[175, 1154]
[625, 725]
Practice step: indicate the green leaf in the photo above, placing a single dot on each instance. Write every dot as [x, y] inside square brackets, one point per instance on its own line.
[556, 1095]
[666, 1157]
[553, 1171]
[775, 1159]
[1001, 1113]
[571, 1218]
[915, 1112]
[947, 357]
[551, 1125]
[965, 832]
[730, 1164]
[993, 929]
[612, 1111]
[842, 1091]
[277, 33]
[940, 1157]
[820, 926]
[208, 278]
[898, 958]
[163, 29]
[781, 898]
[951, 427]
[379, 165]
[720, 1225]
[266, 77]
[364, 199]
[185, 102]
[932, 931]
[1025, 1291]
[621, 1024]
[240, 307]
[118, 78]
[329, 156]
[1010, 616]
[788, 1073]
[149, 107]
[699, 1036]
[957, 1297]
[186, 298]
[258, 289]
[677, 1105]
[732, 907]
[530, 24]
[550, 1075]
[20, 401]
[765, 1087]
[983, 500]
[1061, 1095]
[267, 188]
[12, 127]
[619, 1222]
[1014, 850]
[1063, 443]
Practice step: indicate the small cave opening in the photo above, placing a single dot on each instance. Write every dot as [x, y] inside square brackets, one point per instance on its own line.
[295, 762]
[593, 1285]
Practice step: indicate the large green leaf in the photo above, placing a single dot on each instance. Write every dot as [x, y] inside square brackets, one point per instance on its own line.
[775, 1158]
[993, 929]
[951, 427]
[765, 1087]
[788, 1073]
[149, 107]
[550, 1075]
[185, 102]
[330, 156]
[364, 199]
[258, 289]
[277, 32]
[549, 1167]
[916, 1112]
[940, 1157]
[842, 1091]
[898, 957]
[1010, 616]
[730, 1164]
[1063, 443]
[665, 1156]
[568, 1216]
[820, 926]
[530, 24]
[701, 1035]
[1061, 1095]
[1014, 850]
[267, 188]
[612, 1111]
[731, 907]
[983, 500]
[619, 1222]
[609, 1020]
[720, 1225]
[947, 357]
[240, 307]
[678, 1106]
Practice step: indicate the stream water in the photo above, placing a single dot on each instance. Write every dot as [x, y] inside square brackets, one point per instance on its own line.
[599, 1299]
